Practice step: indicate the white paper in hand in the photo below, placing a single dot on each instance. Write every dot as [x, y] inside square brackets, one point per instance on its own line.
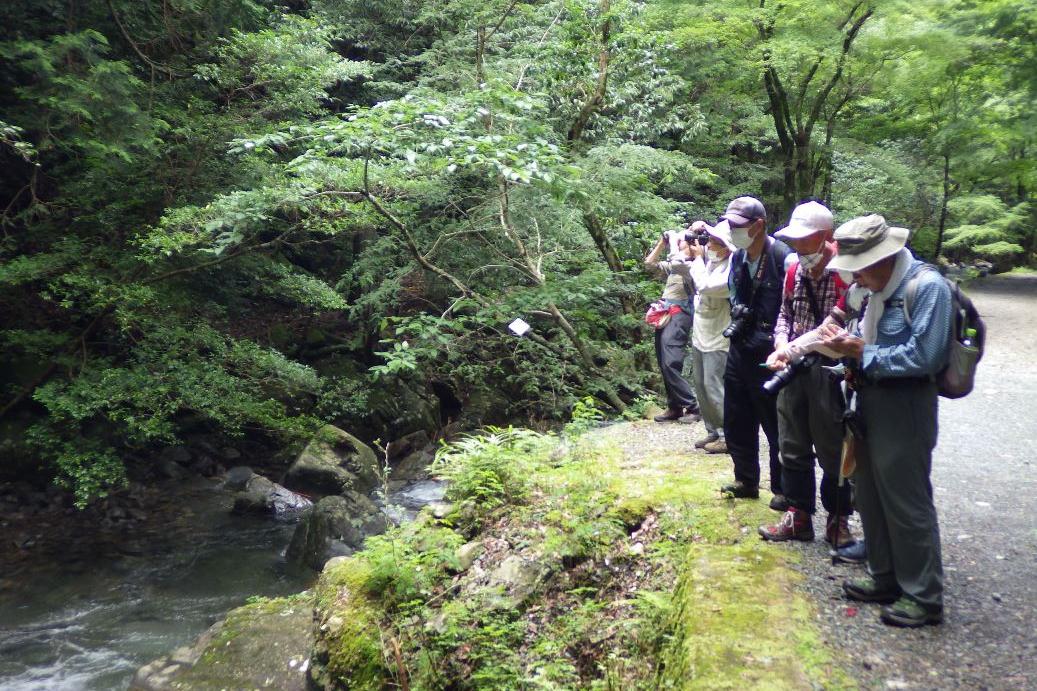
[519, 327]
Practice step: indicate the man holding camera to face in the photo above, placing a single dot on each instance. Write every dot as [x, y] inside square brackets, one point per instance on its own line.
[755, 286]
[809, 400]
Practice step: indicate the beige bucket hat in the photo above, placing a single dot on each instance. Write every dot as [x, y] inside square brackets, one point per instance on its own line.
[864, 241]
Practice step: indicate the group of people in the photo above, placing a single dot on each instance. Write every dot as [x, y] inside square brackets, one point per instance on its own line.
[859, 330]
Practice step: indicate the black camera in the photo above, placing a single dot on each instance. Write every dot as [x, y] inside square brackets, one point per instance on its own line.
[741, 320]
[699, 236]
[782, 377]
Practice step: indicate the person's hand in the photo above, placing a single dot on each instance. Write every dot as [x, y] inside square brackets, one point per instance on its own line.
[842, 342]
[779, 359]
[695, 250]
[698, 226]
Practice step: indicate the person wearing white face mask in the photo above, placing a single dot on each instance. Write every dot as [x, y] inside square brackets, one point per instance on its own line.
[810, 404]
[756, 277]
[710, 267]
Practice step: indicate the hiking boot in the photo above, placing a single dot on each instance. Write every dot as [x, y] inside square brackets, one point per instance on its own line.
[708, 439]
[740, 490]
[669, 415]
[866, 589]
[853, 553]
[907, 612]
[794, 525]
[691, 414]
[780, 503]
[718, 446]
[837, 531]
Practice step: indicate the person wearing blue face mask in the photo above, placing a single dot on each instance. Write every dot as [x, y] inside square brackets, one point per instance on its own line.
[755, 287]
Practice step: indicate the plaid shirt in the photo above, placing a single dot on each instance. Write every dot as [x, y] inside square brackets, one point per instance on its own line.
[796, 318]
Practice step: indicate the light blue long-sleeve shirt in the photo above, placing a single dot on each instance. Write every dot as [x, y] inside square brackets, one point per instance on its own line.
[917, 349]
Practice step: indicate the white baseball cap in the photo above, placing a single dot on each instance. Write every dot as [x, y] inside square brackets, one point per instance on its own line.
[807, 219]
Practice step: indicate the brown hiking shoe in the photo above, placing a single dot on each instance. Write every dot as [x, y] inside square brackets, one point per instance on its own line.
[668, 416]
[794, 525]
[718, 446]
[709, 438]
[837, 531]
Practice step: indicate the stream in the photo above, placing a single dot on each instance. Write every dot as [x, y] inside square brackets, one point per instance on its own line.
[91, 617]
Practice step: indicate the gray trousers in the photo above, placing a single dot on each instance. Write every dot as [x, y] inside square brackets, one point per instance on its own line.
[894, 494]
[707, 371]
[671, 344]
[810, 426]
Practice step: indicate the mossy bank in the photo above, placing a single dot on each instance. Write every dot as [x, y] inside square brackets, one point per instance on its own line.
[565, 562]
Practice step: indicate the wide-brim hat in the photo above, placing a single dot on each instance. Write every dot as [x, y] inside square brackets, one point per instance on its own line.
[864, 241]
[722, 232]
[807, 219]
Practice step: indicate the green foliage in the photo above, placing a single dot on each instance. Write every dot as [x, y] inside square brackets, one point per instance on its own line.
[485, 471]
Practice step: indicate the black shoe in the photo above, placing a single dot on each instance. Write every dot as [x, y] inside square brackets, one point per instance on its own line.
[780, 503]
[740, 490]
[907, 612]
[669, 416]
[867, 590]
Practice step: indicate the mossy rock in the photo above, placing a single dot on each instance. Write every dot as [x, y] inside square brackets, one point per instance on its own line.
[347, 653]
[332, 463]
[632, 512]
[265, 644]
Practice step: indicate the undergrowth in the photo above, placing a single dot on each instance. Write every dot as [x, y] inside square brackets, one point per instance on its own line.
[588, 572]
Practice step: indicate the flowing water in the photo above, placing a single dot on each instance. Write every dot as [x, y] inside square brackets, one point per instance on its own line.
[90, 617]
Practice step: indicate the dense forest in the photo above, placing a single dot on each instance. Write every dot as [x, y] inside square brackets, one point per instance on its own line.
[252, 218]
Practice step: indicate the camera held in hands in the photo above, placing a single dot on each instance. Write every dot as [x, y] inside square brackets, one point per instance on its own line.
[741, 321]
[782, 377]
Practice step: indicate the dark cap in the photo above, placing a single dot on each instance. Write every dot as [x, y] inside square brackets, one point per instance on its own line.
[744, 210]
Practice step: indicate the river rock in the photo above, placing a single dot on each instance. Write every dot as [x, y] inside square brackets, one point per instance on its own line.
[261, 645]
[237, 478]
[332, 463]
[260, 495]
[347, 519]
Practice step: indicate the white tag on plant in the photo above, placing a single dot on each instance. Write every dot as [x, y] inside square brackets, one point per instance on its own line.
[519, 327]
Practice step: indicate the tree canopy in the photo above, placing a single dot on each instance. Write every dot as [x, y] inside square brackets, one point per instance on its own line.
[255, 218]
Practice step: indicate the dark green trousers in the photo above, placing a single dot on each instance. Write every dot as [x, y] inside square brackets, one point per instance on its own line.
[894, 494]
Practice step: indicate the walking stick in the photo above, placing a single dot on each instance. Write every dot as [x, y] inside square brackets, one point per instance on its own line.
[848, 458]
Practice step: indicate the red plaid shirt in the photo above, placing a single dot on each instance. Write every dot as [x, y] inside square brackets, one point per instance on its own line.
[796, 317]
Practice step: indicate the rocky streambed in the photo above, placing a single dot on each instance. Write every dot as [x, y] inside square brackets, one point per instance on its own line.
[89, 611]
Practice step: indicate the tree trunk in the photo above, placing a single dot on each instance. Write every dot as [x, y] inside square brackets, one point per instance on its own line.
[943, 205]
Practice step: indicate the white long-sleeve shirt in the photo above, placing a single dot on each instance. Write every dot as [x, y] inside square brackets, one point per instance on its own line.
[712, 304]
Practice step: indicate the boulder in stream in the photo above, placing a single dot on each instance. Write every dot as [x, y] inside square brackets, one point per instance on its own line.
[332, 463]
[260, 495]
[341, 519]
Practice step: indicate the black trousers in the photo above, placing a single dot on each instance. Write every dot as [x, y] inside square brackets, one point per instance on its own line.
[747, 407]
[671, 347]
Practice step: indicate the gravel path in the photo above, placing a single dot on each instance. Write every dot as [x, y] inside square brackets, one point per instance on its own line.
[986, 497]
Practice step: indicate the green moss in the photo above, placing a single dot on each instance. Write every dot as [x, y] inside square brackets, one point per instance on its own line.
[348, 650]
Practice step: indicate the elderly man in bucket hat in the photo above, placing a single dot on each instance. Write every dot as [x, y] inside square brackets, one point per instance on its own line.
[895, 359]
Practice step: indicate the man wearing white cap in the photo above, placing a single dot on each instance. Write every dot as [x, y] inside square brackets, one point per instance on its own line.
[810, 405]
[900, 350]
[710, 267]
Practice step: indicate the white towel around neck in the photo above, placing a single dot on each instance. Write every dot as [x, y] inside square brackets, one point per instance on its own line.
[877, 301]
